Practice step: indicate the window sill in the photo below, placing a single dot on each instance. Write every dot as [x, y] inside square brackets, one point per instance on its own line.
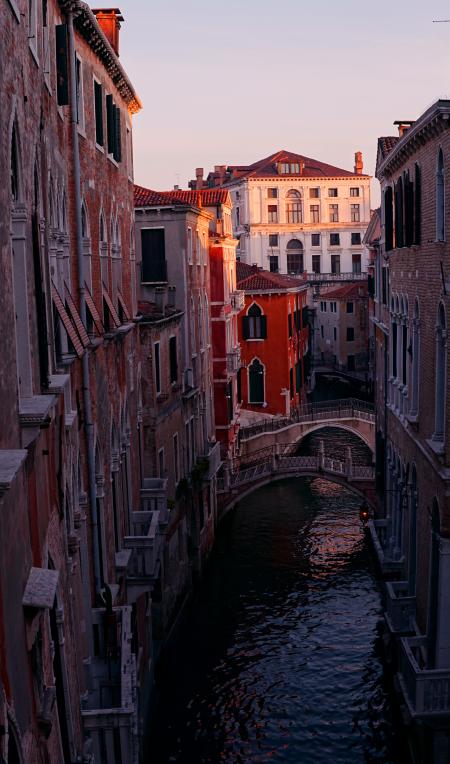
[99, 147]
[15, 10]
[33, 52]
[437, 446]
[35, 411]
[255, 339]
[112, 160]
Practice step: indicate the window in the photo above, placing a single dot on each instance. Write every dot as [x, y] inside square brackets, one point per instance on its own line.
[399, 222]
[272, 193]
[189, 246]
[332, 192]
[98, 106]
[161, 462]
[45, 38]
[321, 331]
[440, 197]
[256, 382]
[254, 324]
[294, 256]
[334, 213]
[315, 239]
[354, 192]
[113, 129]
[62, 77]
[354, 213]
[153, 266]
[272, 213]
[176, 458]
[356, 263]
[238, 217]
[316, 263]
[335, 263]
[350, 334]
[14, 168]
[293, 207]
[273, 263]
[314, 211]
[334, 333]
[273, 240]
[157, 367]
[286, 168]
[173, 360]
[441, 364]
[388, 219]
[80, 93]
[417, 205]
[313, 193]
[350, 307]
[335, 240]
[291, 382]
[356, 239]
[351, 363]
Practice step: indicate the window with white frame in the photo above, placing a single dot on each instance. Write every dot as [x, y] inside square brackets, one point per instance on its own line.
[79, 92]
[354, 213]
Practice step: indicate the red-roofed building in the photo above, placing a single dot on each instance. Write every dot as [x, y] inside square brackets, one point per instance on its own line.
[273, 335]
[293, 214]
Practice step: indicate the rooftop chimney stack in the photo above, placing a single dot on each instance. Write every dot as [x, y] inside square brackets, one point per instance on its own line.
[199, 177]
[220, 172]
[109, 22]
[403, 125]
[358, 163]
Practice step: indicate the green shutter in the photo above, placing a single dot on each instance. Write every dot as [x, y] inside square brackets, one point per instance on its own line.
[62, 78]
[110, 123]
[117, 136]
[245, 328]
[263, 327]
[98, 101]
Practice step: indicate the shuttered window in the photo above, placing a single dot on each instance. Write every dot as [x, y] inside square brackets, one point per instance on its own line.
[114, 131]
[110, 123]
[98, 103]
[154, 267]
[62, 79]
[157, 367]
[254, 324]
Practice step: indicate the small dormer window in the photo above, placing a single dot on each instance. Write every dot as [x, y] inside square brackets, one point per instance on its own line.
[289, 168]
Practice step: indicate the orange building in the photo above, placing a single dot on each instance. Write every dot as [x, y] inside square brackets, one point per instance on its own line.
[273, 335]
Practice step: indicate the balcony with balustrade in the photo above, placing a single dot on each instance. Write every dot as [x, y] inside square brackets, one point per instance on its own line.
[380, 530]
[146, 540]
[109, 709]
[234, 360]
[425, 691]
[237, 299]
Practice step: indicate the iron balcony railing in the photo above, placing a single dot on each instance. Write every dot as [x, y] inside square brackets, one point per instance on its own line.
[426, 691]
[339, 409]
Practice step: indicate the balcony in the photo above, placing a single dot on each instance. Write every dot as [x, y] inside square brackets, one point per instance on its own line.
[109, 711]
[146, 539]
[400, 608]
[234, 360]
[379, 534]
[426, 691]
[237, 300]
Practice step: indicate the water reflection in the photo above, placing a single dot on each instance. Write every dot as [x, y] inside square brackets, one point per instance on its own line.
[279, 658]
[335, 442]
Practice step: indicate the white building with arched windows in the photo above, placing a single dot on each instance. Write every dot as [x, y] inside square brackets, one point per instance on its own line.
[293, 214]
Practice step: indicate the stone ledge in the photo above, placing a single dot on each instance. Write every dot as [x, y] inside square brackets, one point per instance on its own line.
[35, 411]
[10, 464]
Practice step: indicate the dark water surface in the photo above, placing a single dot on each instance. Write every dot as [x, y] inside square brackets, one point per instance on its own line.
[279, 659]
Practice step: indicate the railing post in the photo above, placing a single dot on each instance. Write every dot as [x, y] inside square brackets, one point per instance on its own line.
[349, 462]
[321, 454]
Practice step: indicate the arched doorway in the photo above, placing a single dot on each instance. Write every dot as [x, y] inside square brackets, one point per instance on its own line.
[294, 257]
[256, 382]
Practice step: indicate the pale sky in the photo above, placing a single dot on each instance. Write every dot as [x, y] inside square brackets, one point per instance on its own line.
[232, 82]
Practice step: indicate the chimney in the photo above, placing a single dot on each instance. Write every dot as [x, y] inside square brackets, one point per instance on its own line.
[171, 296]
[199, 177]
[358, 163]
[109, 22]
[160, 298]
[403, 125]
[220, 171]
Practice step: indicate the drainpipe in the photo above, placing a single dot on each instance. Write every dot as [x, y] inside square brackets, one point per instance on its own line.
[88, 424]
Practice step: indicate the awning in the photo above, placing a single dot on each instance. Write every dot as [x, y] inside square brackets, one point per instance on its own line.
[67, 323]
[93, 310]
[123, 304]
[76, 318]
[111, 308]
[40, 589]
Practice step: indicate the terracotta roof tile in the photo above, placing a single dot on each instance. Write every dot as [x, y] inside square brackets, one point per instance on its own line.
[206, 197]
[347, 292]
[265, 280]
[312, 168]
[387, 143]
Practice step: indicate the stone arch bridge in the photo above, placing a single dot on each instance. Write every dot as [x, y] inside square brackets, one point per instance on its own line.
[268, 452]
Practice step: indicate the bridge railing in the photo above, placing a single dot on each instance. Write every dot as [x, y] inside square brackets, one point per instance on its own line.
[345, 408]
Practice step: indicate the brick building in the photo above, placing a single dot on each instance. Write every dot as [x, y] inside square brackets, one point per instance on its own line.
[172, 262]
[70, 486]
[274, 340]
[412, 532]
[341, 329]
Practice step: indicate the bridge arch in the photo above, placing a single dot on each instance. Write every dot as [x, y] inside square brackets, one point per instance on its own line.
[232, 500]
[365, 437]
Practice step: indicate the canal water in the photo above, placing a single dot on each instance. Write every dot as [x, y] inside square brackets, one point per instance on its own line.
[279, 659]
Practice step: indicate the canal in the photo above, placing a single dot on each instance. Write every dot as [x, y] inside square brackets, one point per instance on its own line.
[279, 658]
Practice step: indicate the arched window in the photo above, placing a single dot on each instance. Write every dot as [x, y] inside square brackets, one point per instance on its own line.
[254, 324]
[409, 209]
[15, 179]
[440, 198]
[415, 350]
[84, 222]
[294, 256]
[441, 352]
[399, 220]
[102, 229]
[256, 382]
[294, 207]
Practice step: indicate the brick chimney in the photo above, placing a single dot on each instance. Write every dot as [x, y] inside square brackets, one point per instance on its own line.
[199, 177]
[220, 172]
[358, 163]
[403, 125]
[109, 22]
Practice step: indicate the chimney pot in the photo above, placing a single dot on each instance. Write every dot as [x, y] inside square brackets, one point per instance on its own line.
[160, 298]
[109, 22]
[199, 177]
[358, 163]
